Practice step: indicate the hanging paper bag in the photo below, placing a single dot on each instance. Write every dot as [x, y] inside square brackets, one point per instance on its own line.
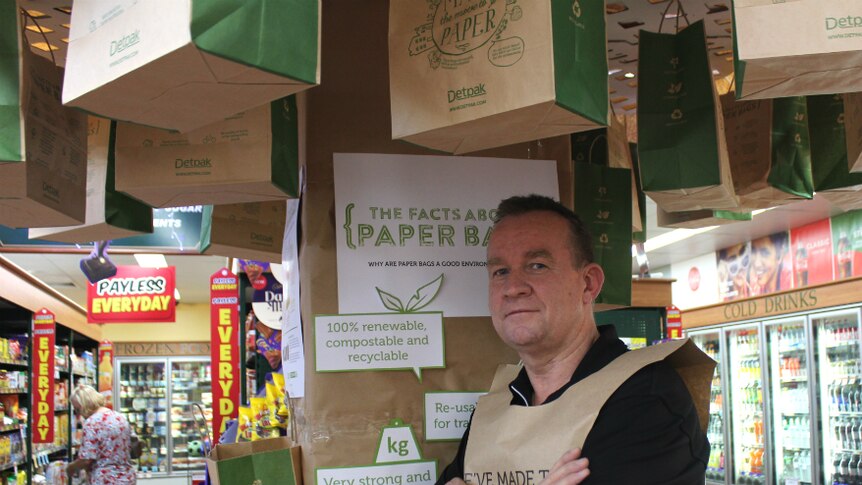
[853, 130]
[699, 219]
[110, 214]
[770, 151]
[603, 201]
[683, 157]
[187, 63]
[797, 48]
[469, 75]
[830, 151]
[253, 231]
[42, 144]
[251, 156]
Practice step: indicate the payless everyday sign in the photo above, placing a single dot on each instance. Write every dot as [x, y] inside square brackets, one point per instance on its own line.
[43, 377]
[133, 295]
[224, 321]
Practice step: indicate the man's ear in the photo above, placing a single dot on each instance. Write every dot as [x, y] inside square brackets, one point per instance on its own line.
[594, 277]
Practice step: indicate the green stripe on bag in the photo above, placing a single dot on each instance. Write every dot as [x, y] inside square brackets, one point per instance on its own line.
[580, 70]
[603, 201]
[677, 134]
[279, 36]
[791, 148]
[285, 145]
[206, 229]
[10, 96]
[732, 216]
[121, 210]
[829, 144]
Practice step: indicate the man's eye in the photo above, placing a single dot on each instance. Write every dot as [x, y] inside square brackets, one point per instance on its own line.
[500, 272]
[537, 266]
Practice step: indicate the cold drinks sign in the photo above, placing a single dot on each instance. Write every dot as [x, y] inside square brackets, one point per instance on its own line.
[224, 324]
[134, 294]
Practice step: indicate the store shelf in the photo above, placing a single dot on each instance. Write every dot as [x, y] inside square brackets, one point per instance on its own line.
[792, 351]
[13, 464]
[61, 410]
[794, 380]
[13, 363]
[15, 390]
[11, 427]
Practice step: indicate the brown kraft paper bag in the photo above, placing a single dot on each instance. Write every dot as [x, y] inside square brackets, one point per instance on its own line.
[537, 436]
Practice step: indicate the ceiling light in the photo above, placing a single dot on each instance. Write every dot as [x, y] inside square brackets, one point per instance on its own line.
[629, 75]
[673, 237]
[614, 71]
[761, 211]
[151, 260]
[715, 72]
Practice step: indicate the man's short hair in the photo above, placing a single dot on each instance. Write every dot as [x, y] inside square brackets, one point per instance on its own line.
[579, 235]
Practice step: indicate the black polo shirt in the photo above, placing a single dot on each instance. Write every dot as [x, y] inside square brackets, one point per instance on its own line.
[648, 431]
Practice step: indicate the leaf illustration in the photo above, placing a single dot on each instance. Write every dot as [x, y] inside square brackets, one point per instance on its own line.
[390, 301]
[424, 295]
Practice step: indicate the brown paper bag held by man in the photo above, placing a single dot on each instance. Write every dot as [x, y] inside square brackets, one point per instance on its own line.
[583, 409]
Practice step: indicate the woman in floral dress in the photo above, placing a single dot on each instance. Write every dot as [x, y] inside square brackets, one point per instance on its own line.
[104, 450]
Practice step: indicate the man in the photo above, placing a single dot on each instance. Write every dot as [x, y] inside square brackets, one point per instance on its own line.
[542, 284]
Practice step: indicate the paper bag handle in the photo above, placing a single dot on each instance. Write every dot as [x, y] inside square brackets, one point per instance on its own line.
[27, 15]
[680, 12]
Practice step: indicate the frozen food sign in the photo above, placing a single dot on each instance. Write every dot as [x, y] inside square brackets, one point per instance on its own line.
[133, 295]
[412, 231]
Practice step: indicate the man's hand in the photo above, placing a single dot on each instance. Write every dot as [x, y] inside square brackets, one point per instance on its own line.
[570, 469]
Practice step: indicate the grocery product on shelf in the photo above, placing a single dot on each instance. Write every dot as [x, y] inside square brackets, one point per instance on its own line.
[715, 470]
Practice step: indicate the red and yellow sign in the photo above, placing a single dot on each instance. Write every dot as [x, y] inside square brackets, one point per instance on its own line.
[106, 371]
[133, 295]
[43, 377]
[674, 322]
[224, 319]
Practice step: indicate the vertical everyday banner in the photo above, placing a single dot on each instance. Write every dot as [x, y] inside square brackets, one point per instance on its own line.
[224, 324]
[43, 377]
[106, 371]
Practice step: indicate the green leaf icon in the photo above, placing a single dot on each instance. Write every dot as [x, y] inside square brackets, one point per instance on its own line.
[424, 295]
[390, 301]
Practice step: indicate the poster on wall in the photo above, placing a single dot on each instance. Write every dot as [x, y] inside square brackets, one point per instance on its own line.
[754, 268]
[847, 244]
[811, 247]
[133, 295]
[412, 230]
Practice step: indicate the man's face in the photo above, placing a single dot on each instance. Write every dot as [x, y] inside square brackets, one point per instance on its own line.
[536, 295]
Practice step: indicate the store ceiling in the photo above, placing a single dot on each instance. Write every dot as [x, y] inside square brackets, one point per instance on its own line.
[625, 19]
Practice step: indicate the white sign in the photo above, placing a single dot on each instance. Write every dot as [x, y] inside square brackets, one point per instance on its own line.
[447, 414]
[383, 341]
[412, 231]
[419, 473]
[292, 353]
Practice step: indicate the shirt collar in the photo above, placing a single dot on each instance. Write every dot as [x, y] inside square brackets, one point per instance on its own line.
[604, 350]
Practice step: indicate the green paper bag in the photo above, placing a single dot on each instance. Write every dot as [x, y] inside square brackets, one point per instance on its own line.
[467, 75]
[251, 156]
[770, 150]
[829, 152]
[609, 146]
[110, 214]
[183, 64]
[43, 145]
[271, 461]
[683, 158]
[639, 236]
[603, 201]
[246, 231]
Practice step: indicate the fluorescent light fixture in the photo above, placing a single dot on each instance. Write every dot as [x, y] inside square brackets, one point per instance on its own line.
[673, 237]
[151, 260]
[761, 211]
[629, 75]
[614, 71]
